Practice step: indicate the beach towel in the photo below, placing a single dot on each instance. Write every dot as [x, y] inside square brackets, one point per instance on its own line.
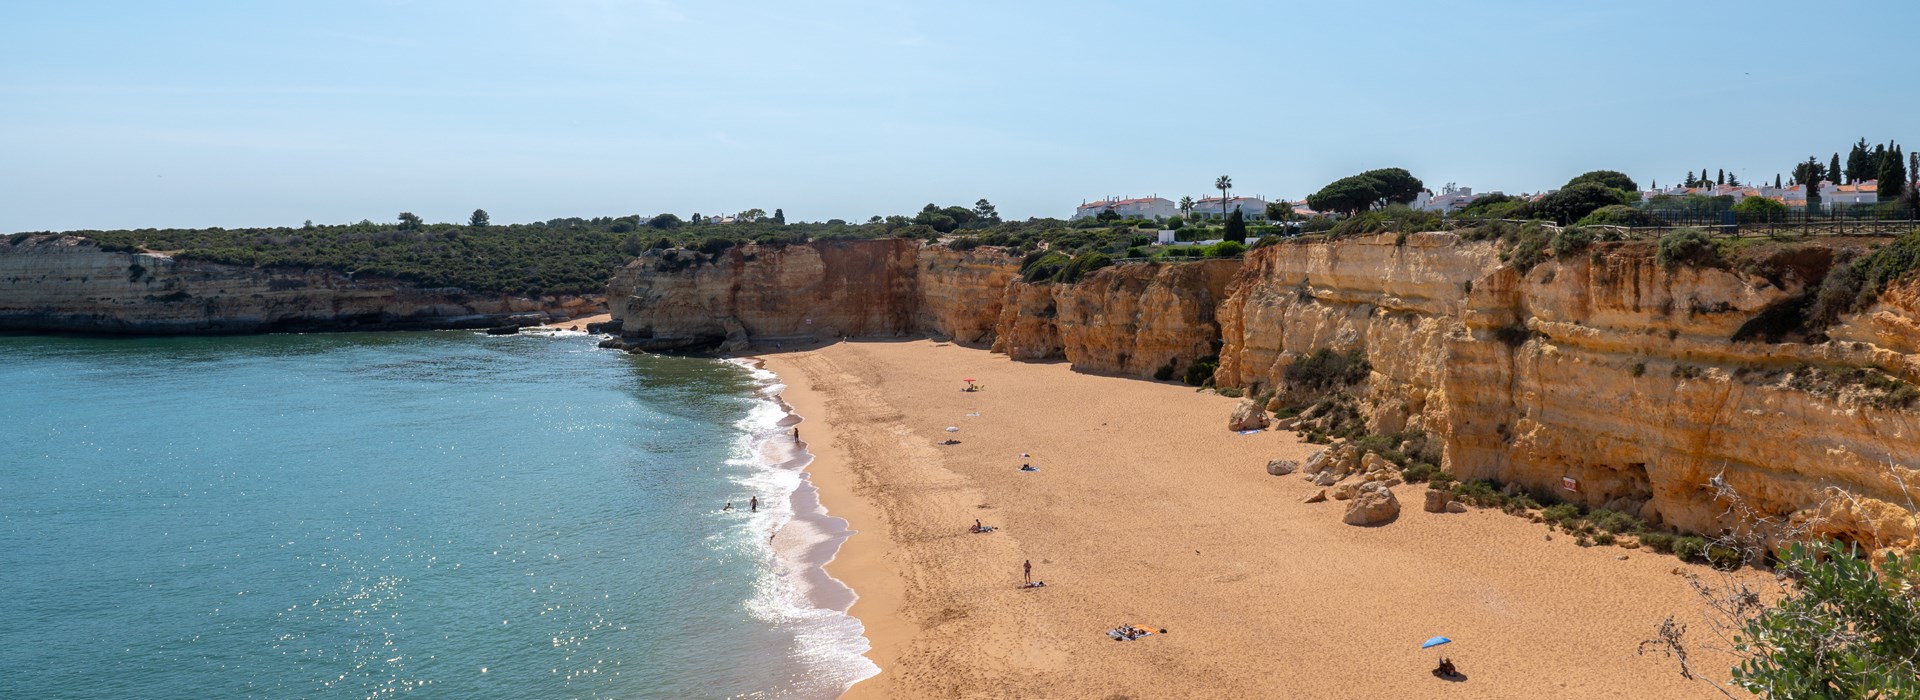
[1249, 432]
[1035, 584]
[1029, 468]
[1120, 635]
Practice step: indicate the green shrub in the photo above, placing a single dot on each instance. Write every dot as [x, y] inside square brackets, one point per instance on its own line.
[1200, 373]
[1226, 249]
[1081, 266]
[1689, 547]
[1687, 246]
[1604, 538]
[1620, 215]
[1230, 392]
[1561, 513]
[1615, 522]
[1658, 541]
[1165, 372]
[1725, 558]
[1570, 241]
[1043, 267]
[1324, 370]
[1416, 472]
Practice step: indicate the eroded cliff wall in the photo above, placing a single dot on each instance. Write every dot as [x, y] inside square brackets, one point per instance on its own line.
[66, 283]
[1604, 368]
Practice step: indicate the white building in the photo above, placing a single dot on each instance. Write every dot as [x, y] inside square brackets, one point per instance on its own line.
[1450, 199]
[1863, 192]
[1251, 208]
[1135, 208]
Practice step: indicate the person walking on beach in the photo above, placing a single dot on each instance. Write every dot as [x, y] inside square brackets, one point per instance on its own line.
[756, 504]
[1028, 573]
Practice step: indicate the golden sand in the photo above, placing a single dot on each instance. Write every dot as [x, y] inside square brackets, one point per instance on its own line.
[1148, 511]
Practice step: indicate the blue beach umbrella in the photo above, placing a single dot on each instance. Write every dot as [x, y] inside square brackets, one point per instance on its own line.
[1434, 642]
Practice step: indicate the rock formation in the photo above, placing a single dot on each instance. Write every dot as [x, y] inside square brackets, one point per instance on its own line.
[1598, 377]
[66, 283]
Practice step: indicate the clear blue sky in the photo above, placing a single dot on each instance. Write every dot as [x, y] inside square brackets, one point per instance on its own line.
[136, 114]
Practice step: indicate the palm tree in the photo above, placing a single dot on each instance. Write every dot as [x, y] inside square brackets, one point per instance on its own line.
[1186, 205]
[1222, 183]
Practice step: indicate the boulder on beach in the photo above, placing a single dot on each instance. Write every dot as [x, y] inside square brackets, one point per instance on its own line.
[1247, 416]
[1437, 501]
[1372, 507]
[1317, 496]
[1456, 507]
[1317, 463]
[1282, 467]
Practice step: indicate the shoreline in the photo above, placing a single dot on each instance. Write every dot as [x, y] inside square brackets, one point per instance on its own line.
[1147, 511]
[811, 538]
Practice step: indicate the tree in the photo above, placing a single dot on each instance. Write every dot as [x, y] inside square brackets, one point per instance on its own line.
[1348, 195]
[1176, 223]
[479, 219]
[409, 221]
[1222, 183]
[779, 216]
[984, 211]
[1893, 176]
[754, 214]
[1761, 209]
[1107, 215]
[1236, 227]
[1833, 170]
[1809, 175]
[308, 225]
[1612, 179]
[1691, 181]
[1857, 166]
[1776, 181]
[1571, 204]
[1356, 193]
[1186, 207]
[1720, 177]
[696, 219]
[665, 221]
[1397, 186]
[1279, 211]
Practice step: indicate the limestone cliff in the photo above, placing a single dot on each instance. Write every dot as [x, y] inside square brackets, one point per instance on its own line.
[66, 283]
[1127, 319]
[1603, 368]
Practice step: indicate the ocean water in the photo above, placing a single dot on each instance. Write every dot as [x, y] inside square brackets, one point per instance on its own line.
[436, 515]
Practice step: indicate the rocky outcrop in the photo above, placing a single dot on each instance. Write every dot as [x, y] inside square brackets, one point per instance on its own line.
[1131, 319]
[1600, 378]
[1372, 507]
[66, 283]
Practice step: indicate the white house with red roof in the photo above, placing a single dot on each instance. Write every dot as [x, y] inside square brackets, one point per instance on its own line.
[1130, 208]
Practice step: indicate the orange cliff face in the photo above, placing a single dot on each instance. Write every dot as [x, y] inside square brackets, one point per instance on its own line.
[1603, 368]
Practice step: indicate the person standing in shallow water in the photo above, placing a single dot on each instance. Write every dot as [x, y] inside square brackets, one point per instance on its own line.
[756, 504]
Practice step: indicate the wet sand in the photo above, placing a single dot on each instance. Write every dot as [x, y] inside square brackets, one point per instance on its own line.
[1148, 511]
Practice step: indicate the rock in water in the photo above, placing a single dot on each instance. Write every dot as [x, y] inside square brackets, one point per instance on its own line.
[1437, 501]
[1372, 508]
[1282, 467]
[1247, 416]
[503, 330]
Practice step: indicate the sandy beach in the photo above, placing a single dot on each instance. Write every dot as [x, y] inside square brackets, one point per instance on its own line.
[1148, 511]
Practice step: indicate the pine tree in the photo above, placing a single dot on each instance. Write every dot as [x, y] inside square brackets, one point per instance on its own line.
[1893, 176]
[1733, 180]
[1776, 181]
[1857, 166]
[1720, 177]
[1833, 170]
[779, 216]
[1690, 183]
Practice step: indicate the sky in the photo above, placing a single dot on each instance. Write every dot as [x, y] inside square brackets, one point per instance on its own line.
[237, 114]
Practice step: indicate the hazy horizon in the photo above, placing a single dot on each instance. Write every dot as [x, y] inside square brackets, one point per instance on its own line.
[129, 115]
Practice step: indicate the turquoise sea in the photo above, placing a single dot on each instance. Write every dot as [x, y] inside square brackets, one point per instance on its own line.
[438, 515]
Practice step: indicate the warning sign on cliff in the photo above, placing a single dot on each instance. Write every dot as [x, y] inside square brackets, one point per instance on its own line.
[1569, 483]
